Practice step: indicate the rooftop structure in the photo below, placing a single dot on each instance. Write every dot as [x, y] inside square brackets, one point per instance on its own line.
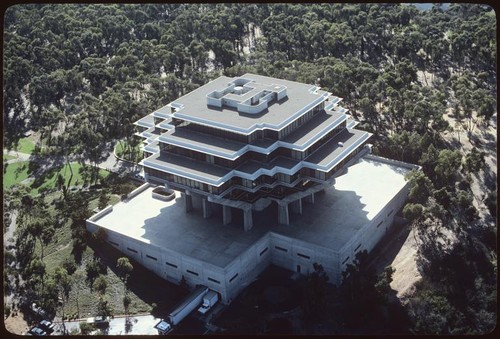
[245, 142]
[243, 151]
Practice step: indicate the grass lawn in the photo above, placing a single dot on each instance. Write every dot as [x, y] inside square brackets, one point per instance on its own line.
[15, 173]
[48, 180]
[120, 148]
[7, 157]
[26, 145]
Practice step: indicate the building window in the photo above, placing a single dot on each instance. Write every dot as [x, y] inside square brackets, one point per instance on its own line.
[213, 280]
[234, 277]
[390, 213]
[281, 249]
[357, 247]
[150, 257]
[263, 251]
[171, 265]
[303, 256]
[343, 262]
[113, 243]
[380, 223]
[193, 273]
[131, 250]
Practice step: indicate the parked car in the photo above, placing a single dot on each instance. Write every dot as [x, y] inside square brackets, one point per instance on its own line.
[37, 331]
[98, 320]
[47, 326]
[38, 310]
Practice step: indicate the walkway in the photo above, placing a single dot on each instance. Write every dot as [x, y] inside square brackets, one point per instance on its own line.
[140, 324]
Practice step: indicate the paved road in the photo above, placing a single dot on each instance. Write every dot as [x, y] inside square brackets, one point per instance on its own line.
[143, 324]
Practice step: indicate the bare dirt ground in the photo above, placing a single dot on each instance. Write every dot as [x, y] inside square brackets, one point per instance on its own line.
[406, 274]
[16, 324]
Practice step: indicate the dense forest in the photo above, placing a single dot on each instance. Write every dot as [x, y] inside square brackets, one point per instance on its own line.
[81, 74]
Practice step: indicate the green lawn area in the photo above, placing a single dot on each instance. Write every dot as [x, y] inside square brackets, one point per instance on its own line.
[49, 179]
[7, 157]
[120, 148]
[26, 145]
[15, 173]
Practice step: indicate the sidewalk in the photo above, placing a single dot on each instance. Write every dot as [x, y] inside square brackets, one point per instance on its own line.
[139, 325]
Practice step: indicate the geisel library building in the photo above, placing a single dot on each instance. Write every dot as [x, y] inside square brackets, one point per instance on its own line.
[261, 171]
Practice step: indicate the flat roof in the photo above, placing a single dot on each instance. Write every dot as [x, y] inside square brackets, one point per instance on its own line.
[196, 109]
[314, 126]
[338, 214]
[328, 152]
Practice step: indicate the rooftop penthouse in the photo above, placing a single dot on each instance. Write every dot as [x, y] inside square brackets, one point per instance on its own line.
[247, 142]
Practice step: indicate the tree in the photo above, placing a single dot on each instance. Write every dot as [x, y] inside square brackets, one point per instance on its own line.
[383, 285]
[431, 313]
[420, 187]
[63, 282]
[124, 268]
[413, 211]
[103, 308]
[100, 284]
[447, 165]
[69, 265]
[103, 200]
[359, 277]
[94, 268]
[314, 293]
[126, 303]
[474, 161]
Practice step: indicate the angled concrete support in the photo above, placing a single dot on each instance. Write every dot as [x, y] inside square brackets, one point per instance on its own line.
[310, 198]
[283, 217]
[188, 202]
[226, 214]
[247, 219]
[207, 208]
[297, 206]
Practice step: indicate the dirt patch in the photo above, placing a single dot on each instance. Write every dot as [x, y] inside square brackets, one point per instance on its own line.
[16, 324]
[406, 274]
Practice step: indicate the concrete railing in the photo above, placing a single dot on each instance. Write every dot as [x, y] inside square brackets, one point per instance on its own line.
[163, 197]
[101, 213]
[392, 162]
[138, 190]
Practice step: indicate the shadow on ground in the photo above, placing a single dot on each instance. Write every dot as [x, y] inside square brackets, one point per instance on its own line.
[145, 284]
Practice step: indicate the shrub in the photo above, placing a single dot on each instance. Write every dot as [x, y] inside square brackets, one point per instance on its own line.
[86, 328]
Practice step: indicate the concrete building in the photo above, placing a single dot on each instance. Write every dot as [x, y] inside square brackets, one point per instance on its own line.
[264, 171]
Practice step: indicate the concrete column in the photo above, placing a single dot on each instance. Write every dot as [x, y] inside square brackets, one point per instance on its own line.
[226, 214]
[283, 217]
[297, 206]
[310, 198]
[247, 219]
[188, 202]
[207, 208]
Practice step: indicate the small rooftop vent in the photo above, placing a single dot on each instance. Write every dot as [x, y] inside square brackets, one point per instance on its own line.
[238, 89]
